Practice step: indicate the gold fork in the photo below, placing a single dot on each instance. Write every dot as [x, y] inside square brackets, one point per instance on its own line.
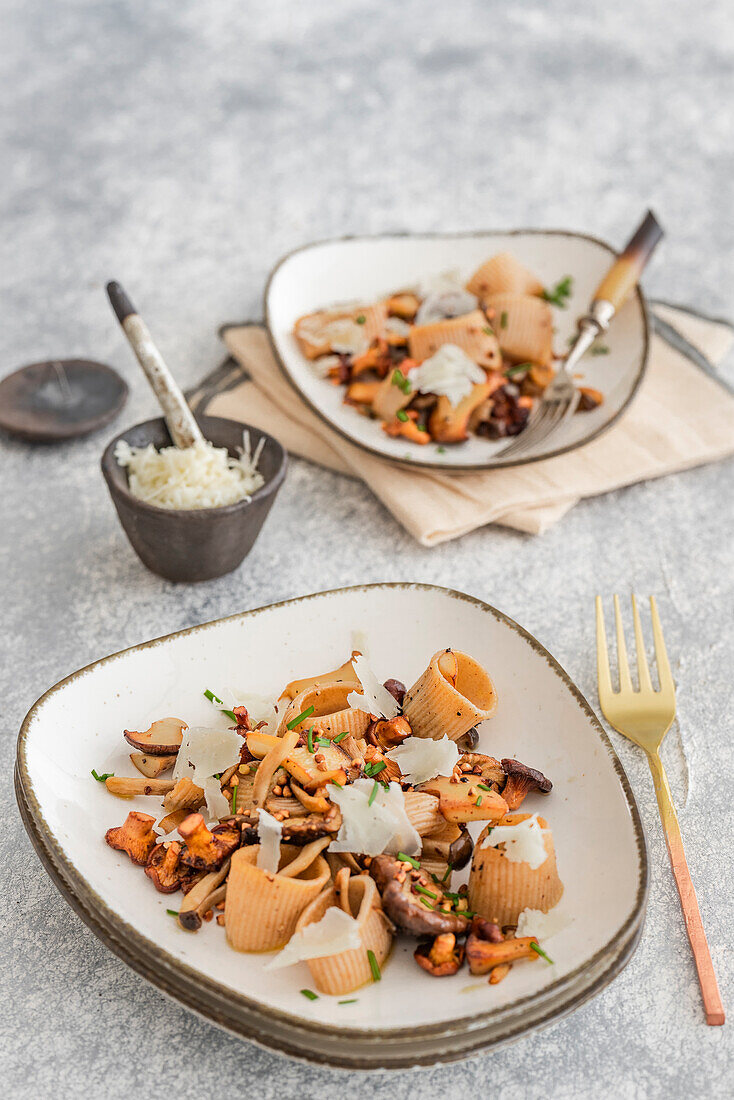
[645, 716]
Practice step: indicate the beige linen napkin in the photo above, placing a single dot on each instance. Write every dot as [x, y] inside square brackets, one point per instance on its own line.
[681, 417]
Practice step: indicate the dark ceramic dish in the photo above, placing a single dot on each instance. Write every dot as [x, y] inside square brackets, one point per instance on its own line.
[194, 544]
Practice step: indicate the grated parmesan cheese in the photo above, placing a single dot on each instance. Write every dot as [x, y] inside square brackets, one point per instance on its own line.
[204, 753]
[449, 373]
[443, 305]
[269, 833]
[534, 922]
[376, 699]
[422, 758]
[524, 842]
[382, 827]
[202, 476]
[334, 933]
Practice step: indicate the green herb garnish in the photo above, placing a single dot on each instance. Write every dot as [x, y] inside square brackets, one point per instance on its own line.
[503, 319]
[539, 951]
[361, 319]
[351, 1001]
[300, 718]
[324, 742]
[101, 778]
[409, 859]
[441, 450]
[213, 699]
[560, 293]
[599, 349]
[309, 993]
[309, 740]
[426, 903]
[399, 380]
[487, 330]
[428, 893]
[449, 869]
[373, 793]
[234, 799]
[402, 415]
[374, 966]
[339, 785]
[340, 737]
[372, 770]
[519, 368]
[484, 787]
[172, 912]
[479, 800]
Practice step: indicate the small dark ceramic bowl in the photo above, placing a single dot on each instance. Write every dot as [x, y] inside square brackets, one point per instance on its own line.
[202, 543]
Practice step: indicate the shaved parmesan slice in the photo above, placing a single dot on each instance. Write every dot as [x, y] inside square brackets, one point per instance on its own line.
[261, 708]
[534, 922]
[422, 758]
[342, 334]
[449, 373]
[334, 933]
[376, 698]
[205, 753]
[444, 305]
[443, 282]
[166, 837]
[269, 833]
[369, 830]
[359, 643]
[524, 842]
[398, 326]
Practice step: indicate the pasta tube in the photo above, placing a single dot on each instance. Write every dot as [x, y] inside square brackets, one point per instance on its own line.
[348, 970]
[503, 274]
[262, 908]
[326, 699]
[350, 330]
[471, 332]
[423, 812]
[500, 888]
[452, 695]
[524, 326]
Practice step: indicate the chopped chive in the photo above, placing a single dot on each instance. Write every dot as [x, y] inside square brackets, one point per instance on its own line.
[519, 368]
[214, 699]
[374, 966]
[309, 740]
[361, 319]
[479, 800]
[101, 778]
[450, 896]
[488, 331]
[426, 903]
[441, 450]
[467, 913]
[399, 380]
[234, 799]
[324, 742]
[560, 293]
[449, 869]
[409, 859]
[402, 415]
[374, 769]
[435, 878]
[503, 319]
[373, 793]
[600, 349]
[539, 951]
[339, 785]
[172, 912]
[428, 893]
[340, 737]
[309, 993]
[300, 718]
[350, 1001]
[484, 787]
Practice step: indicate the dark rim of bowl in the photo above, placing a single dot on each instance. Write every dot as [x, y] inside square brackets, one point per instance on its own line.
[109, 463]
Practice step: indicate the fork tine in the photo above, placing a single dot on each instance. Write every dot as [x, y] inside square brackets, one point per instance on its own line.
[536, 430]
[625, 680]
[602, 656]
[665, 676]
[643, 670]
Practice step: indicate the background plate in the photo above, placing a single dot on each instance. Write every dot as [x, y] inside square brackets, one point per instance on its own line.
[400, 1021]
[367, 268]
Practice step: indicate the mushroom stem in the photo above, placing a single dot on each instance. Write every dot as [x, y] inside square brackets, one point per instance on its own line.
[199, 899]
[125, 787]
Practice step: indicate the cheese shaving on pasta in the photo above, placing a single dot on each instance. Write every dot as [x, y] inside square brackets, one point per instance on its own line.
[202, 476]
[449, 373]
[376, 699]
[524, 842]
[422, 758]
[269, 833]
[205, 753]
[372, 829]
[334, 933]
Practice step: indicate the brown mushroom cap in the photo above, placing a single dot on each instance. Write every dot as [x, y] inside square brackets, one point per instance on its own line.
[163, 738]
[205, 849]
[469, 740]
[404, 908]
[520, 781]
[388, 732]
[296, 830]
[397, 689]
[442, 957]
[165, 869]
[461, 850]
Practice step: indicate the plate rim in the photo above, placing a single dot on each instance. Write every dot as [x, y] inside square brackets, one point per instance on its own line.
[434, 464]
[362, 1048]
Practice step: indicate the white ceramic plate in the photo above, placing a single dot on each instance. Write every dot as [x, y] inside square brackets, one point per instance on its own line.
[402, 1020]
[367, 268]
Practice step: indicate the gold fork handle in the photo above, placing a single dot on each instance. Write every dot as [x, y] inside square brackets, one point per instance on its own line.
[712, 1005]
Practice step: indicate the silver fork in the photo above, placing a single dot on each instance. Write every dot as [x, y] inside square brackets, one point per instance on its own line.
[560, 399]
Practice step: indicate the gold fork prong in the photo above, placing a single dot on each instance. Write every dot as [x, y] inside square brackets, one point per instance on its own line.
[625, 680]
[604, 676]
[643, 670]
[665, 676]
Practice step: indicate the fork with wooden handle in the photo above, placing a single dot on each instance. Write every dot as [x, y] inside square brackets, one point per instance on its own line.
[645, 716]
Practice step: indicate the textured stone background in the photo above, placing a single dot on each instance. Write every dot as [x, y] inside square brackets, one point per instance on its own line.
[182, 148]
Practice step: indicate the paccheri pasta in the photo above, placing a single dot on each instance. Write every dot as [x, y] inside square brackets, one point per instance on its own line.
[442, 362]
[342, 820]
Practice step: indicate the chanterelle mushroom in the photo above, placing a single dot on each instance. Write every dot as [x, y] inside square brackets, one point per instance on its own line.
[135, 836]
[486, 947]
[408, 907]
[165, 869]
[441, 958]
[388, 732]
[520, 781]
[207, 849]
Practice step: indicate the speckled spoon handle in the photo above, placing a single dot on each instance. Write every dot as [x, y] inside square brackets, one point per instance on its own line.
[179, 417]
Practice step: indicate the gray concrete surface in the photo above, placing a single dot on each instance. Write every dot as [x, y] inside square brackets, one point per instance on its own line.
[182, 148]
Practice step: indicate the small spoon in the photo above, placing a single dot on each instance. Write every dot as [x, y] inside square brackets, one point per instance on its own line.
[185, 432]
